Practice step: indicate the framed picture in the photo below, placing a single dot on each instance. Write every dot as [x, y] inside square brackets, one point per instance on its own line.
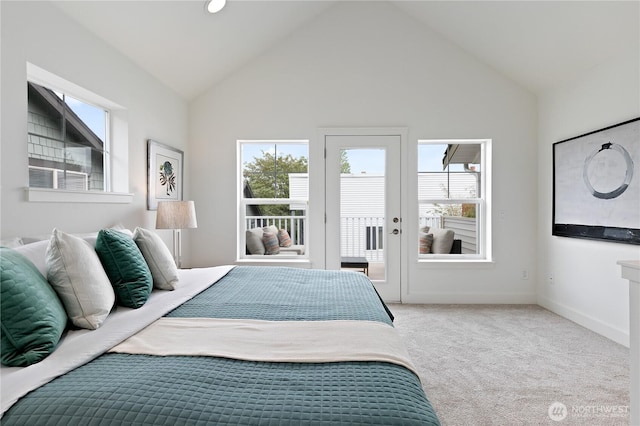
[596, 184]
[165, 168]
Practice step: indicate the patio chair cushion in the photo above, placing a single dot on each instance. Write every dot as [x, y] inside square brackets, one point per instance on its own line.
[442, 240]
[284, 238]
[254, 241]
[426, 241]
[294, 249]
[271, 229]
[270, 241]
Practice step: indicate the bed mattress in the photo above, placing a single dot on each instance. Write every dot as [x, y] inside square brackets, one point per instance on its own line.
[196, 390]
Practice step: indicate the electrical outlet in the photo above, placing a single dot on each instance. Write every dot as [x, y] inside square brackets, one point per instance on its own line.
[525, 274]
[550, 278]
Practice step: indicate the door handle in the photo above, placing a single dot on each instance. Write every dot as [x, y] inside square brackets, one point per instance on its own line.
[395, 231]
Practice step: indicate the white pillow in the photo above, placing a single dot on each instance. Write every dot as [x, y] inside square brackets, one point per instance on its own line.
[120, 228]
[35, 238]
[158, 257]
[11, 242]
[36, 253]
[76, 274]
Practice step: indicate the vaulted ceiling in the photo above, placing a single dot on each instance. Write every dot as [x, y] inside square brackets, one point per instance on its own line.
[538, 44]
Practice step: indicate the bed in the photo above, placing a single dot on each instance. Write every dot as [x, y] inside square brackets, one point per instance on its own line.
[87, 379]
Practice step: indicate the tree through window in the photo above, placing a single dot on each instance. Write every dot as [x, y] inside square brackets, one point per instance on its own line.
[274, 196]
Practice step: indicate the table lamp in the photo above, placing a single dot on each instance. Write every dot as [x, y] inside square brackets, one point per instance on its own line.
[176, 215]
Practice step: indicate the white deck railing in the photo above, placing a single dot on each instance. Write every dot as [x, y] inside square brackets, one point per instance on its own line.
[430, 221]
[363, 237]
[359, 236]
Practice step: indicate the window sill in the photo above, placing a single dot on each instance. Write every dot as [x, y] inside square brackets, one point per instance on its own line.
[278, 261]
[44, 195]
[455, 262]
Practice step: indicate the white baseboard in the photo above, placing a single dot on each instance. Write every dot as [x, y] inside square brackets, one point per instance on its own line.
[471, 298]
[587, 321]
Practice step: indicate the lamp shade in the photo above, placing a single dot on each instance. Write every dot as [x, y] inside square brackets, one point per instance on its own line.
[176, 215]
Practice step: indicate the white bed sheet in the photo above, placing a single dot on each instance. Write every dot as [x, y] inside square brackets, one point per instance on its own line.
[81, 346]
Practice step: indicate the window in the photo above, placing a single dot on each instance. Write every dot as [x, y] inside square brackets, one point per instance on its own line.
[453, 197]
[67, 141]
[374, 237]
[78, 143]
[273, 192]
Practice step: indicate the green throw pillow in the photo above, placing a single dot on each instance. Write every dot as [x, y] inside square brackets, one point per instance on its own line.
[126, 268]
[32, 316]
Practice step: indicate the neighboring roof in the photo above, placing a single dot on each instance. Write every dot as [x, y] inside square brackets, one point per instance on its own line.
[461, 154]
[83, 134]
[248, 193]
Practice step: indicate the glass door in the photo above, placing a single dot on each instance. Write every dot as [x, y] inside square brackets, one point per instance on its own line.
[363, 226]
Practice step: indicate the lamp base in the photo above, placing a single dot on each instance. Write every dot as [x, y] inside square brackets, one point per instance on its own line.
[177, 247]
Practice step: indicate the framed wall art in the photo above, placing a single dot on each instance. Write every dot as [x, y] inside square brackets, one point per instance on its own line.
[596, 184]
[165, 169]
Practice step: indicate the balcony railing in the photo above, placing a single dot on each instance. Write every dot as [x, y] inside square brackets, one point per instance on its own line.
[361, 236]
[431, 221]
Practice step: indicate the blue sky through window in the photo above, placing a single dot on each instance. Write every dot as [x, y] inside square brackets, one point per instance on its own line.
[93, 117]
[370, 161]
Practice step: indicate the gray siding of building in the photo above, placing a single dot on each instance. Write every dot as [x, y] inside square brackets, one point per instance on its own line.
[47, 149]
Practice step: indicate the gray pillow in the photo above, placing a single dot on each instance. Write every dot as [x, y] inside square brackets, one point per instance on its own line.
[76, 274]
[254, 241]
[37, 254]
[156, 253]
[442, 240]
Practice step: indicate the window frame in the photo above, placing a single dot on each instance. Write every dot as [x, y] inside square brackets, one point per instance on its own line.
[243, 203]
[482, 202]
[115, 157]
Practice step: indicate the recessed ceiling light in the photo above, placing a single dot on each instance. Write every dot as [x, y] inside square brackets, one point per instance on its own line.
[214, 6]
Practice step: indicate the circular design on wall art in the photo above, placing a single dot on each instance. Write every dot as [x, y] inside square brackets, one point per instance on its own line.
[608, 148]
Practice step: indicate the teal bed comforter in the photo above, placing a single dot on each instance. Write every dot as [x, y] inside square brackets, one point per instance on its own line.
[123, 389]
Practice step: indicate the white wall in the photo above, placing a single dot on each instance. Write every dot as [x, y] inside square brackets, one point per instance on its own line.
[39, 33]
[367, 64]
[587, 287]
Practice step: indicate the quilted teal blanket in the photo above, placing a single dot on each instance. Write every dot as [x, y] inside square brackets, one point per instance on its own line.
[122, 389]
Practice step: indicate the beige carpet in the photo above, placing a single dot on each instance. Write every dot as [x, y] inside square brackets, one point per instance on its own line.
[507, 364]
